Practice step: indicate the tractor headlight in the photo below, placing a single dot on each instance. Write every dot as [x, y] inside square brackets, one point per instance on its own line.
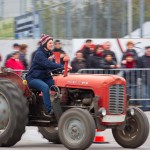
[131, 111]
[102, 112]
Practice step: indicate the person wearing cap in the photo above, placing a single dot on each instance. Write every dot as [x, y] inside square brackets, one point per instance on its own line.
[38, 76]
[108, 62]
[130, 49]
[58, 48]
[14, 63]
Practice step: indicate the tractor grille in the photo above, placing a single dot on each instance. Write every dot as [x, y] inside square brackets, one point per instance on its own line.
[116, 99]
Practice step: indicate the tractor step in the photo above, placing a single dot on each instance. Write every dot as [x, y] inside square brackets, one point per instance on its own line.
[40, 123]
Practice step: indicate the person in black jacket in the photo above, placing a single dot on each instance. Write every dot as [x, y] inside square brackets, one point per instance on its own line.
[86, 49]
[144, 62]
[108, 62]
[58, 48]
[78, 62]
[38, 76]
[107, 50]
[130, 49]
[95, 60]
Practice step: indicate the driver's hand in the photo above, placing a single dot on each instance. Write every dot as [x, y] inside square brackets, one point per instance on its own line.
[51, 58]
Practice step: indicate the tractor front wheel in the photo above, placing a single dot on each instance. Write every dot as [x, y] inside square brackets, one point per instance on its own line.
[76, 129]
[135, 132]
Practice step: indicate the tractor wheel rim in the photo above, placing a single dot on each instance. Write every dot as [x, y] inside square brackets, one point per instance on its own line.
[4, 113]
[74, 130]
[131, 129]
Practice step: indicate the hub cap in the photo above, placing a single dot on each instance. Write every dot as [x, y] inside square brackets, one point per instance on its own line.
[74, 130]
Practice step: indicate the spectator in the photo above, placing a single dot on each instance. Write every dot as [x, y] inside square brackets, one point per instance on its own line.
[23, 52]
[130, 49]
[144, 62]
[14, 63]
[107, 50]
[94, 61]
[130, 75]
[58, 48]
[78, 62]
[86, 50]
[130, 61]
[16, 47]
[108, 62]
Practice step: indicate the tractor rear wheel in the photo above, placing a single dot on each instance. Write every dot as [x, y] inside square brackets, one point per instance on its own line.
[135, 132]
[13, 113]
[76, 129]
[50, 133]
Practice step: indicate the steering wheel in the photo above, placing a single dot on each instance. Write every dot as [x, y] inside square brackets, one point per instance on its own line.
[56, 72]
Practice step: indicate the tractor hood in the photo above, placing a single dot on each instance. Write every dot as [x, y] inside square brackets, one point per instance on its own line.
[90, 81]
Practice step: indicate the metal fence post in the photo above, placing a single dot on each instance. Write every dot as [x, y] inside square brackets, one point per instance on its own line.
[130, 20]
[53, 22]
[79, 15]
[123, 17]
[68, 20]
[141, 3]
[109, 19]
[94, 21]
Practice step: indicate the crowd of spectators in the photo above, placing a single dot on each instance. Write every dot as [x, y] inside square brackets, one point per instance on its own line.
[90, 56]
[102, 57]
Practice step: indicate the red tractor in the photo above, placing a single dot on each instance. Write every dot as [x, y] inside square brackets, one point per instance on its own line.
[81, 103]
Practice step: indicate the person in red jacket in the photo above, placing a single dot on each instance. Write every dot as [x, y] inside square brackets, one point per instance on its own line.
[14, 63]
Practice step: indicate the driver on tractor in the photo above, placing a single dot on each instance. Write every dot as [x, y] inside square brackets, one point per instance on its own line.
[39, 77]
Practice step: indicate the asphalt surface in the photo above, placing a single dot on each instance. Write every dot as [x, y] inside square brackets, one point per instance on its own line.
[33, 140]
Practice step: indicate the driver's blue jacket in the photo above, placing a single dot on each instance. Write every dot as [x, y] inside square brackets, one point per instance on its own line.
[41, 66]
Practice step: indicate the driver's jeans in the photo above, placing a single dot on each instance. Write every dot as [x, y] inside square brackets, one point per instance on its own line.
[44, 86]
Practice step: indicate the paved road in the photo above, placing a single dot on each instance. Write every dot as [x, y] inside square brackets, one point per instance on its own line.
[34, 141]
